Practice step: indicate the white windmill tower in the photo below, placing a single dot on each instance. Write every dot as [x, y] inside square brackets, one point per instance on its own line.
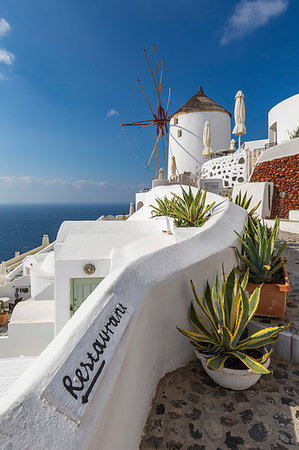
[186, 132]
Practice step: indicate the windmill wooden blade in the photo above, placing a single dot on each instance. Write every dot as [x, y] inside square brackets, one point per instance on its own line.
[158, 137]
[161, 76]
[146, 99]
[147, 125]
[151, 72]
[160, 120]
[166, 137]
[158, 83]
[168, 101]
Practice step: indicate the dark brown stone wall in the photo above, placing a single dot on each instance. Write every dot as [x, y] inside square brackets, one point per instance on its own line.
[284, 173]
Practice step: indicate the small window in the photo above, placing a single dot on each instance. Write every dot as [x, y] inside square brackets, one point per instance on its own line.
[180, 133]
[176, 120]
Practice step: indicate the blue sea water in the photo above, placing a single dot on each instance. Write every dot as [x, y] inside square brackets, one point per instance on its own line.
[23, 226]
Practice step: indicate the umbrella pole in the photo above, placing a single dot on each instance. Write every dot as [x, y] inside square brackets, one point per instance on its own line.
[239, 141]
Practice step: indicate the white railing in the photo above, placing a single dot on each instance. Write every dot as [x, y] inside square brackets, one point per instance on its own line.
[156, 290]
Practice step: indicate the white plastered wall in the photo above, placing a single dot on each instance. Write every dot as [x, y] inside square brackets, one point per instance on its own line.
[286, 115]
[157, 287]
[188, 148]
[260, 192]
[231, 168]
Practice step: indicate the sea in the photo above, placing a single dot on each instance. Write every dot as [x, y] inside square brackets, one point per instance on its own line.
[22, 226]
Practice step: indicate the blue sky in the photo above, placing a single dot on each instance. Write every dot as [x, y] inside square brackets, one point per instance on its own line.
[68, 78]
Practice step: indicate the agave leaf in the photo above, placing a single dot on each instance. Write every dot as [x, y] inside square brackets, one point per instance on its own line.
[197, 321]
[208, 303]
[227, 339]
[198, 337]
[265, 357]
[258, 343]
[218, 303]
[229, 294]
[279, 253]
[242, 319]
[250, 362]
[252, 211]
[259, 336]
[276, 268]
[217, 362]
[203, 309]
[245, 280]
[253, 302]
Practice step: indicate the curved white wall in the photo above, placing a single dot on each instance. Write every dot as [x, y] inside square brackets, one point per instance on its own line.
[157, 288]
[231, 168]
[289, 148]
[286, 115]
[188, 148]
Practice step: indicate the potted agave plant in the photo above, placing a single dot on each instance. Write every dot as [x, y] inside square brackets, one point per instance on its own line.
[3, 314]
[162, 212]
[265, 266]
[229, 355]
[190, 211]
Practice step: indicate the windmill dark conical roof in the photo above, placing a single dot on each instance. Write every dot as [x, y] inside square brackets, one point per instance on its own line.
[200, 102]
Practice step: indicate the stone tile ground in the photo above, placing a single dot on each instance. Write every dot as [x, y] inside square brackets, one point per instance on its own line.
[190, 412]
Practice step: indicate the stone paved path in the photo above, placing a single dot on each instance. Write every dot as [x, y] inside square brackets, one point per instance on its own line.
[190, 412]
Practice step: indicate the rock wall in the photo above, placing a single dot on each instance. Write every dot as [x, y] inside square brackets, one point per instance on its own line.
[284, 173]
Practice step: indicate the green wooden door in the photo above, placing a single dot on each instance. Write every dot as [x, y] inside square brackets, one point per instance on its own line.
[81, 288]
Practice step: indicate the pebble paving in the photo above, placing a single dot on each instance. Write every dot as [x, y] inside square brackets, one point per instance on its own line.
[191, 412]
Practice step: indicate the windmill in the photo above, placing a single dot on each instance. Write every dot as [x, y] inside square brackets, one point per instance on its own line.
[160, 119]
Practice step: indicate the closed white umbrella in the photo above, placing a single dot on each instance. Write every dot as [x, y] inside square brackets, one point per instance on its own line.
[173, 169]
[207, 140]
[239, 127]
[131, 209]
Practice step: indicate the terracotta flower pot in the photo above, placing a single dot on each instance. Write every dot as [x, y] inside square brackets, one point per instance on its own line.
[273, 297]
[3, 318]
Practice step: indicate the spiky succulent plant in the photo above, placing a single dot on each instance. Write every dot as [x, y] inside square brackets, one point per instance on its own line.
[243, 202]
[258, 250]
[221, 320]
[163, 207]
[190, 210]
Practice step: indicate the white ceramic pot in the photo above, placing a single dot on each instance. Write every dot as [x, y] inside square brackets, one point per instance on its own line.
[238, 380]
[182, 233]
[165, 224]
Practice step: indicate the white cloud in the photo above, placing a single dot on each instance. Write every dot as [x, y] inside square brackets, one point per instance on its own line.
[251, 14]
[4, 27]
[28, 180]
[112, 113]
[6, 57]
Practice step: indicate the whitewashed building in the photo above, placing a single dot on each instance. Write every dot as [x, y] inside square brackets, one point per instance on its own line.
[186, 132]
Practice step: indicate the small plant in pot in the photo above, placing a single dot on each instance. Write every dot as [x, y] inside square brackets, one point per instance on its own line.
[265, 266]
[163, 213]
[3, 314]
[229, 355]
[190, 210]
